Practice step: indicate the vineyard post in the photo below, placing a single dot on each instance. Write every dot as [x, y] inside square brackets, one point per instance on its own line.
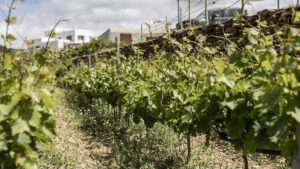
[117, 40]
[296, 158]
[167, 27]
[188, 140]
[206, 13]
[178, 10]
[78, 64]
[142, 32]
[181, 23]
[243, 7]
[190, 21]
[149, 28]
[90, 61]
[94, 56]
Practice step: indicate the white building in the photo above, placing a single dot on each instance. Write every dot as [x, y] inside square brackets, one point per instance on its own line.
[63, 37]
[129, 36]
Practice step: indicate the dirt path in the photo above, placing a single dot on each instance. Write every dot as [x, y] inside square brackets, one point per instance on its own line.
[72, 148]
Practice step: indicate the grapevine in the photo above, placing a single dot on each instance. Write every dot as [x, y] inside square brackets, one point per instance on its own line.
[251, 93]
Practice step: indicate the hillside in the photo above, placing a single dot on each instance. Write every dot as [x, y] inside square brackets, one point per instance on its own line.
[230, 28]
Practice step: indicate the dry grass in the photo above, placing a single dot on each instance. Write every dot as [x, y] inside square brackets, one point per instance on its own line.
[72, 148]
[222, 155]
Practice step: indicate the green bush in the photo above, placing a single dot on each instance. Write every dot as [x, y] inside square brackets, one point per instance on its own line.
[132, 145]
[26, 103]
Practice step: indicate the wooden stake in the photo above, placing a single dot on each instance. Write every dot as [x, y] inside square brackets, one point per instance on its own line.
[206, 13]
[190, 20]
[188, 140]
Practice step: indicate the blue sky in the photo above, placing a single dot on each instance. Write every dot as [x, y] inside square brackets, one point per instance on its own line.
[35, 16]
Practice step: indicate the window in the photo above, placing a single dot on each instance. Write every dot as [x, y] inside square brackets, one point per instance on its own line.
[69, 38]
[80, 38]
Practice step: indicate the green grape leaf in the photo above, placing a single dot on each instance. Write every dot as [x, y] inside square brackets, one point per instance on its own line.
[8, 63]
[253, 35]
[3, 146]
[231, 105]
[11, 20]
[226, 81]
[24, 139]
[47, 98]
[5, 109]
[297, 17]
[19, 126]
[220, 66]
[10, 38]
[295, 114]
[35, 119]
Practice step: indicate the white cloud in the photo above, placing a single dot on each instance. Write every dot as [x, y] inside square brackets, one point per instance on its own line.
[39, 15]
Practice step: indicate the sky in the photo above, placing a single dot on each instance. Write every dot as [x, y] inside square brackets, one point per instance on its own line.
[36, 16]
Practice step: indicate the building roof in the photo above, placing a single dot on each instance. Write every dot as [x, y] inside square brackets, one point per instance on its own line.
[61, 29]
[123, 30]
[64, 30]
[131, 30]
